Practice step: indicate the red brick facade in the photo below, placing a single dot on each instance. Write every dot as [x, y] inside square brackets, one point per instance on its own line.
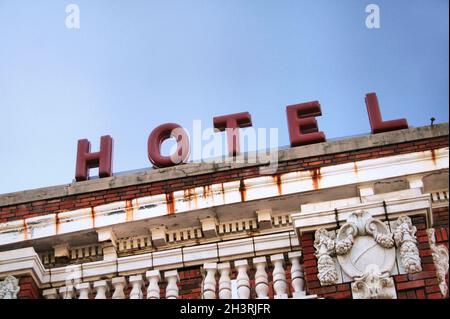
[422, 285]
[55, 205]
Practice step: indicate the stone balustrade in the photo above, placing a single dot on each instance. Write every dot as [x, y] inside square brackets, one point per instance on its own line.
[251, 275]
[242, 283]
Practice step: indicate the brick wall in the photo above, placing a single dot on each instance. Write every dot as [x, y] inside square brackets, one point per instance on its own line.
[422, 285]
[28, 288]
[35, 208]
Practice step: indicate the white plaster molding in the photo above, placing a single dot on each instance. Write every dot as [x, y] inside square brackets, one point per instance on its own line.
[440, 259]
[9, 288]
[325, 248]
[405, 239]
[373, 285]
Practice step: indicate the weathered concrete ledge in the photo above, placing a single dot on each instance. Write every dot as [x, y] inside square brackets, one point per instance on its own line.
[194, 169]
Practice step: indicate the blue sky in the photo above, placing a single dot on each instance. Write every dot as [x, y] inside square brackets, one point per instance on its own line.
[133, 65]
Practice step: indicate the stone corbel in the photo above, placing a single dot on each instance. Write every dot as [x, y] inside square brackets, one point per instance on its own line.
[405, 239]
[440, 260]
[264, 218]
[373, 284]
[9, 288]
[325, 248]
[108, 240]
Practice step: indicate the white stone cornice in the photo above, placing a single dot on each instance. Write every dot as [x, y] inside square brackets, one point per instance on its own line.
[127, 212]
[315, 216]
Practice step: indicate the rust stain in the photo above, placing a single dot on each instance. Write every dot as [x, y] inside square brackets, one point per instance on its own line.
[25, 230]
[242, 190]
[355, 168]
[57, 224]
[277, 179]
[93, 217]
[129, 210]
[190, 197]
[207, 192]
[316, 177]
[222, 190]
[170, 203]
[433, 156]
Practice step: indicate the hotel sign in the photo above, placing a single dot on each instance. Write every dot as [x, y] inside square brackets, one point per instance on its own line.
[301, 120]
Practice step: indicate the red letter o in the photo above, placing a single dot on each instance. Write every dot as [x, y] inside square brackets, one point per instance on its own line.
[158, 136]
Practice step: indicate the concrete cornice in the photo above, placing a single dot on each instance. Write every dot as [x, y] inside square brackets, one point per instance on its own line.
[194, 169]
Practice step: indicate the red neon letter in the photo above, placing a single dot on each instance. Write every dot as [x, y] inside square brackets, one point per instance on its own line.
[158, 136]
[231, 123]
[303, 125]
[376, 121]
[101, 159]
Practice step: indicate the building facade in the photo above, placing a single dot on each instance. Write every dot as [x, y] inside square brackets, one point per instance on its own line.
[363, 217]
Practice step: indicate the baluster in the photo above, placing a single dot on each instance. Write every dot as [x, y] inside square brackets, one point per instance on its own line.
[119, 284]
[224, 281]
[66, 292]
[172, 288]
[101, 287]
[279, 276]
[243, 282]
[136, 282]
[50, 293]
[209, 283]
[297, 277]
[261, 278]
[83, 290]
[153, 277]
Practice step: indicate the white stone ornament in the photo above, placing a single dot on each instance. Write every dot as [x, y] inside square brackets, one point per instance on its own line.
[209, 282]
[9, 288]
[224, 281]
[363, 241]
[325, 248]
[405, 239]
[440, 260]
[243, 282]
[261, 278]
[373, 285]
